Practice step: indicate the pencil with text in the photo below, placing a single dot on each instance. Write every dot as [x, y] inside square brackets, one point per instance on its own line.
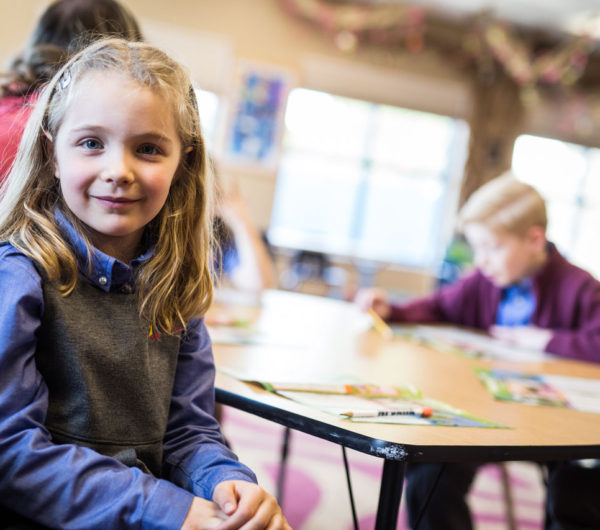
[414, 410]
[380, 325]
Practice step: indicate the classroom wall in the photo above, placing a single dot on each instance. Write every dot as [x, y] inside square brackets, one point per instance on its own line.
[263, 33]
[212, 36]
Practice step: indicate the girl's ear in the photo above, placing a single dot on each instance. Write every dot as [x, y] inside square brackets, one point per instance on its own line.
[49, 146]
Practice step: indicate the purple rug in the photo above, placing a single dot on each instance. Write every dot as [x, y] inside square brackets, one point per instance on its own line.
[316, 495]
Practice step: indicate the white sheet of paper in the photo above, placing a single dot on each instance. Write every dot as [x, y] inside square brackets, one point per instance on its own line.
[489, 346]
[582, 394]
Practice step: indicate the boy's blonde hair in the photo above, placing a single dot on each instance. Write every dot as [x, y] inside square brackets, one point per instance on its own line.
[505, 203]
[173, 285]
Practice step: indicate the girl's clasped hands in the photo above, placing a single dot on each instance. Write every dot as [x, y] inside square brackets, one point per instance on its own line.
[237, 504]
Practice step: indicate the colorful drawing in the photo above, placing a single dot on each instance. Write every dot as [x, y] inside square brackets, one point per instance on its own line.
[522, 388]
[255, 128]
[540, 389]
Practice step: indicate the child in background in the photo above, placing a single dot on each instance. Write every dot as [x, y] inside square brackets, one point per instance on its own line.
[242, 257]
[524, 292]
[63, 25]
[243, 260]
[107, 376]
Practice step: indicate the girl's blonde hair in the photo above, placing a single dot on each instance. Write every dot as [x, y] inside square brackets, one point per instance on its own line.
[173, 285]
[505, 203]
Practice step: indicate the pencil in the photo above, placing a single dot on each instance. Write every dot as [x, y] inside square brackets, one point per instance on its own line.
[380, 325]
[414, 410]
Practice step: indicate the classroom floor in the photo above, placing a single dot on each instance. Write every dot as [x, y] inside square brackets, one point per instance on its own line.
[316, 494]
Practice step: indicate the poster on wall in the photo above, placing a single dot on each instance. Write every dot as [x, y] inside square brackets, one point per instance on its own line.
[256, 122]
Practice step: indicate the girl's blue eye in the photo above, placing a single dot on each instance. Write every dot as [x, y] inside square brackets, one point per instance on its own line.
[149, 149]
[90, 143]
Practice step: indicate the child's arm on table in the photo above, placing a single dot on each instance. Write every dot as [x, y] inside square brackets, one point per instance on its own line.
[454, 304]
[530, 337]
[582, 341]
[376, 299]
[66, 485]
[577, 334]
[195, 455]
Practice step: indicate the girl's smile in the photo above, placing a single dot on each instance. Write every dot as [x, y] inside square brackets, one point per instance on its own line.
[116, 154]
[114, 202]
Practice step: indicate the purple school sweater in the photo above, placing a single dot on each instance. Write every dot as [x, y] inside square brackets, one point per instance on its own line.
[567, 302]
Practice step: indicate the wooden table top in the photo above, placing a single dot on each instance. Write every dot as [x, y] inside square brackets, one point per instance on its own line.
[309, 338]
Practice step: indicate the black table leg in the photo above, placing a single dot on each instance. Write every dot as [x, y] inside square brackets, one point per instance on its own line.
[390, 494]
[285, 446]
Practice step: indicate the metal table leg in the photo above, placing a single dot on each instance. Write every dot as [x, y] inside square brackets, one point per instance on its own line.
[390, 494]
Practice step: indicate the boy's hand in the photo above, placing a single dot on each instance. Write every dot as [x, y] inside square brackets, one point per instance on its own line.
[375, 299]
[203, 515]
[530, 337]
[249, 506]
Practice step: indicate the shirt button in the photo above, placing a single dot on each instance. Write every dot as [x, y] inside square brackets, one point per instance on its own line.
[103, 280]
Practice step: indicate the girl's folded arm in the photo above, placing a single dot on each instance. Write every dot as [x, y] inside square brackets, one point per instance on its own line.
[60, 485]
[195, 455]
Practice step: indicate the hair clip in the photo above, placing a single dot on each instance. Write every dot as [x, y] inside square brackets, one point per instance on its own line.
[65, 80]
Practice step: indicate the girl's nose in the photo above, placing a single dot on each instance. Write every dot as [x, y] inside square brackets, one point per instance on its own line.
[118, 170]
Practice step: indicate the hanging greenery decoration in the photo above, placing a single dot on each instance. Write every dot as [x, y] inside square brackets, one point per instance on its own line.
[484, 41]
[351, 24]
[560, 65]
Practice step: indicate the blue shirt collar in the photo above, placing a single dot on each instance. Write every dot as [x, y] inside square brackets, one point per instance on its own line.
[523, 287]
[517, 305]
[106, 272]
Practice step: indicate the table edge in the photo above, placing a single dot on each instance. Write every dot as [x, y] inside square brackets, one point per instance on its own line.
[404, 452]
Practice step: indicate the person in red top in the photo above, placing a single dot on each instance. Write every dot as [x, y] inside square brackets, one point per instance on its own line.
[62, 29]
[14, 112]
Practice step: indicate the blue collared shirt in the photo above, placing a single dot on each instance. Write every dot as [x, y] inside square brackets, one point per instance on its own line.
[517, 304]
[73, 486]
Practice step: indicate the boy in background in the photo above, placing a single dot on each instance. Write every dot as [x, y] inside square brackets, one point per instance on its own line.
[524, 292]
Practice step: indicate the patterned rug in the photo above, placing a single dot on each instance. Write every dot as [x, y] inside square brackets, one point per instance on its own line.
[316, 495]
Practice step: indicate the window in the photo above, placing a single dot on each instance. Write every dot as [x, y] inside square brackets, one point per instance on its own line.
[367, 181]
[568, 177]
[208, 106]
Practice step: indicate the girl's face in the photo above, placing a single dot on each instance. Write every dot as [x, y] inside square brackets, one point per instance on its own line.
[116, 154]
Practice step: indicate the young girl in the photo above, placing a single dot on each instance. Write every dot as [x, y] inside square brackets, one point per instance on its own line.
[106, 370]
